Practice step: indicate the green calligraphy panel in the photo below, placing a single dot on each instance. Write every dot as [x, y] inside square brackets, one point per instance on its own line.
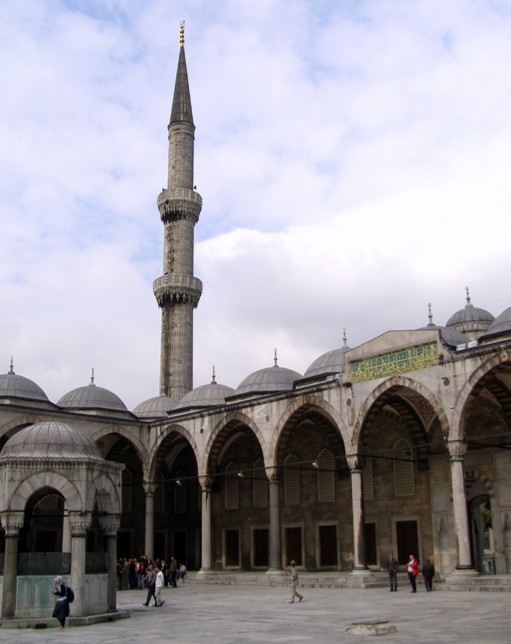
[393, 364]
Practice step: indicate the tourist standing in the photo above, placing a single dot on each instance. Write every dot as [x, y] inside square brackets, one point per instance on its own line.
[428, 572]
[413, 571]
[392, 567]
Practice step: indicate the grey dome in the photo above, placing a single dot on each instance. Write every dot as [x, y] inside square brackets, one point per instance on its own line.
[156, 407]
[449, 335]
[500, 326]
[50, 440]
[14, 386]
[329, 362]
[205, 396]
[268, 380]
[470, 316]
[92, 397]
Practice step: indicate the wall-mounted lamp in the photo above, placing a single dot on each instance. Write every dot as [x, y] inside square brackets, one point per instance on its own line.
[241, 475]
[315, 464]
[178, 482]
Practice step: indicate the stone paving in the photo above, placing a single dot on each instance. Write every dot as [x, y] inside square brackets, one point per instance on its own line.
[237, 614]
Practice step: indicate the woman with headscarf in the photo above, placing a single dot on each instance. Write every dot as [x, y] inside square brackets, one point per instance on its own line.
[61, 610]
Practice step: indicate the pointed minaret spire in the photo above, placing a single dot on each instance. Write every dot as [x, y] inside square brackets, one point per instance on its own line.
[469, 304]
[430, 315]
[178, 291]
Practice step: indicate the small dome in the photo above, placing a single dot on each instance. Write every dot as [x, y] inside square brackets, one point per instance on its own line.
[500, 326]
[449, 335]
[92, 397]
[470, 315]
[50, 440]
[268, 380]
[205, 396]
[329, 362]
[156, 407]
[14, 386]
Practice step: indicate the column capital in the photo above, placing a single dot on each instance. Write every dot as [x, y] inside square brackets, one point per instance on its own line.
[79, 523]
[355, 463]
[206, 483]
[149, 487]
[12, 522]
[110, 524]
[457, 449]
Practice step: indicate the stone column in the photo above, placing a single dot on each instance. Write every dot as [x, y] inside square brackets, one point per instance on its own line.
[111, 526]
[79, 525]
[206, 527]
[457, 451]
[12, 525]
[149, 489]
[275, 541]
[357, 502]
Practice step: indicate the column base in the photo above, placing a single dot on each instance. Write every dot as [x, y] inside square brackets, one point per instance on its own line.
[275, 572]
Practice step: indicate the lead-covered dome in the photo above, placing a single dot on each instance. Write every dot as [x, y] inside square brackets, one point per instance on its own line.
[14, 386]
[500, 326]
[210, 395]
[156, 407]
[92, 397]
[470, 320]
[50, 440]
[268, 380]
[329, 362]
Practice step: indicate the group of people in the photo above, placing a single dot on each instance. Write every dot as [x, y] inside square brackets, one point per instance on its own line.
[132, 573]
[412, 568]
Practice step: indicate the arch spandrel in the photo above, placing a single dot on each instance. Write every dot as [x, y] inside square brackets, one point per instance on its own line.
[222, 428]
[127, 435]
[313, 402]
[106, 492]
[16, 501]
[458, 430]
[387, 386]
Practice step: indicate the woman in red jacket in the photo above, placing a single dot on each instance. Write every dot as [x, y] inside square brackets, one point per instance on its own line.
[413, 571]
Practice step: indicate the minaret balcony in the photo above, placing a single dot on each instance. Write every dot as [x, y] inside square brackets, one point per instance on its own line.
[179, 203]
[177, 289]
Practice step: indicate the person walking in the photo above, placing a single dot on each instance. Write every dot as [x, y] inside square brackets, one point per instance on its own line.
[413, 571]
[150, 582]
[428, 572]
[61, 609]
[392, 567]
[158, 586]
[293, 581]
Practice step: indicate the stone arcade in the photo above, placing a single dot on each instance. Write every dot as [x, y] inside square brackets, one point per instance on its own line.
[400, 444]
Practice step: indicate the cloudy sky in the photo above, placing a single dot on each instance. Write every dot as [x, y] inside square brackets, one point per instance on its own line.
[354, 158]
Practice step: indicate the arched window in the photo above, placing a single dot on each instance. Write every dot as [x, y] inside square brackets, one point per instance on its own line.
[260, 485]
[231, 487]
[127, 490]
[404, 481]
[325, 476]
[291, 480]
[367, 475]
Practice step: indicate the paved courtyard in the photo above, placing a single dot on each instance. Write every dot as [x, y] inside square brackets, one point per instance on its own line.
[214, 614]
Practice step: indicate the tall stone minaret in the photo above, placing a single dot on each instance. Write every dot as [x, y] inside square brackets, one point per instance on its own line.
[178, 291]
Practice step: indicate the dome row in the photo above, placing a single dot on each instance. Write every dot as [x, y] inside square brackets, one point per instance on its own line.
[268, 380]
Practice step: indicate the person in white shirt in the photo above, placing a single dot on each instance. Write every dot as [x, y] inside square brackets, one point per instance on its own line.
[158, 587]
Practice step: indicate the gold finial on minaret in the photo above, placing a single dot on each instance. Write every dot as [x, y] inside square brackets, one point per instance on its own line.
[182, 33]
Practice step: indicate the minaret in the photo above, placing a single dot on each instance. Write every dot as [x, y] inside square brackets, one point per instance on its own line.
[178, 291]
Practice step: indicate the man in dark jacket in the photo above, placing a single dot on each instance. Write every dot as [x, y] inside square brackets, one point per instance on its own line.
[150, 582]
[428, 572]
[392, 567]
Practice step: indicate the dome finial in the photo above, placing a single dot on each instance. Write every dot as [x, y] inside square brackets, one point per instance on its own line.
[92, 378]
[275, 358]
[182, 33]
[469, 304]
[430, 315]
[213, 377]
[344, 338]
[11, 370]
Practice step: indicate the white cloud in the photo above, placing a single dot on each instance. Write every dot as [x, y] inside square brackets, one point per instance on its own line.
[353, 159]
